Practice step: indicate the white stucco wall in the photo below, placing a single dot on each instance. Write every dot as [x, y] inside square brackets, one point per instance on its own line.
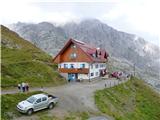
[94, 69]
[83, 76]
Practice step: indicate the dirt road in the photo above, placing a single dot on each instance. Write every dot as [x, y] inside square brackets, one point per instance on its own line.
[77, 97]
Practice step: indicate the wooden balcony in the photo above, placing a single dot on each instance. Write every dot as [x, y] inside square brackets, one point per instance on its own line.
[74, 70]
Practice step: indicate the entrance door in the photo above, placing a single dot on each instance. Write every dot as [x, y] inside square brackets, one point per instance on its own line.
[72, 77]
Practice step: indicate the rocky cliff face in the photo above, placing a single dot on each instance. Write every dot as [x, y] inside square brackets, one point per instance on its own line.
[44, 35]
[129, 47]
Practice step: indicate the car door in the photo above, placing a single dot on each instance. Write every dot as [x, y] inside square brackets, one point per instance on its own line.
[44, 102]
[38, 104]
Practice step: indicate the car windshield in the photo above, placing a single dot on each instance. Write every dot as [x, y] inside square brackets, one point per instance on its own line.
[31, 99]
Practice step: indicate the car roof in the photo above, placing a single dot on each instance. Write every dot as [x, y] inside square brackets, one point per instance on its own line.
[39, 95]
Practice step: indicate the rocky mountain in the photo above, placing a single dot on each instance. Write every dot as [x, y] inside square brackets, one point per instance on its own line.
[44, 35]
[121, 45]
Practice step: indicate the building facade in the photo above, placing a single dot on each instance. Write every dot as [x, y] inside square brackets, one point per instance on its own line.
[80, 61]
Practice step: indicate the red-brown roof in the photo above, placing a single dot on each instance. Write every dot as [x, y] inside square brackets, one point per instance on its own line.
[89, 50]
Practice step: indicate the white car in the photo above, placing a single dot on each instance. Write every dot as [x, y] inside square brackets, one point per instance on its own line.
[37, 102]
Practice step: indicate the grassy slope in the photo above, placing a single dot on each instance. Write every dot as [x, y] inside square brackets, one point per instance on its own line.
[9, 111]
[133, 100]
[22, 61]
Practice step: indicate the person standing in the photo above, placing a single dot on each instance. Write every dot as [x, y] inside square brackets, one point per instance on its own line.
[23, 86]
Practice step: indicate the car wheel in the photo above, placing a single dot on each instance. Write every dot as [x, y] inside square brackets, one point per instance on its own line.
[30, 111]
[51, 105]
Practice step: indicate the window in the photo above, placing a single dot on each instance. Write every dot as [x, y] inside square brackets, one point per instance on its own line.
[96, 73]
[92, 74]
[101, 65]
[44, 99]
[73, 55]
[82, 65]
[65, 65]
[38, 100]
[31, 99]
[91, 66]
[71, 65]
[96, 65]
[73, 46]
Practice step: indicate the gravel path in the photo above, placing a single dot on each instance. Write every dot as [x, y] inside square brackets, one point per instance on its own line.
[79, 96]
[76, 97]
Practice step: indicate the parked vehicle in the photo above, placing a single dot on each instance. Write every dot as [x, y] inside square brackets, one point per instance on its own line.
[37, 102]
[116, 74]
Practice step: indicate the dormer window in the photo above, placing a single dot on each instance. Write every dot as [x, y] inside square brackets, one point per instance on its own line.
[73, 46]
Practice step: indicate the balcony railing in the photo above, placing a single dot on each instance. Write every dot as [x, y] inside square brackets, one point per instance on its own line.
[74, 70]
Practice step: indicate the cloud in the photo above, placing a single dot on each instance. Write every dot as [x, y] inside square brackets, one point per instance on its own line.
[26, 11]
[136, 16]
[58, 17]
[17, 10]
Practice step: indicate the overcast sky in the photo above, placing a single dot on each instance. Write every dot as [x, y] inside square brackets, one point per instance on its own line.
[141, 17]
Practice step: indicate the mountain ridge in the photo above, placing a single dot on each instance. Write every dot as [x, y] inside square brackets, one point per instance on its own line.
[119, 44]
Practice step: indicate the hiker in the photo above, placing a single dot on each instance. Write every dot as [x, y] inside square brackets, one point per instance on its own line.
[19, 87]
[23, 87]
[27, 87]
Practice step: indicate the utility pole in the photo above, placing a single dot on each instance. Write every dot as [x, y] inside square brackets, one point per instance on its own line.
[134, 69]
[89, 72]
